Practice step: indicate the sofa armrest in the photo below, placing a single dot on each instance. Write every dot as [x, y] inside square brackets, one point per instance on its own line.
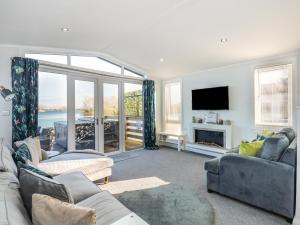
[267, 184]
[78, 184]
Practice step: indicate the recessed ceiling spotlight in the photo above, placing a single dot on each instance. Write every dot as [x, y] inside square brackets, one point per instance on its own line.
[224, 40]
[161, 59]
[65, 29]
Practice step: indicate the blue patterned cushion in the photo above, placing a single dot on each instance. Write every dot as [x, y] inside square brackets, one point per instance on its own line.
[32, 169]
[22, 154]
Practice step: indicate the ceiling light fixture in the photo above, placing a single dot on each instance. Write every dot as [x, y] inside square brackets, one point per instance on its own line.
[65, 29]
[161, 60]
[224, 40]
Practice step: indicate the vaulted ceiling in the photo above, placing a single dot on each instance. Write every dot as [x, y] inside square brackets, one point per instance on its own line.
[185, 33]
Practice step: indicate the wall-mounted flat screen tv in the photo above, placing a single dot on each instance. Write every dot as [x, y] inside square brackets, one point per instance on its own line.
[210, 99]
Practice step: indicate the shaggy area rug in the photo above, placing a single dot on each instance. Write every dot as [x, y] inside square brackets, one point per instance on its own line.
[169, 205]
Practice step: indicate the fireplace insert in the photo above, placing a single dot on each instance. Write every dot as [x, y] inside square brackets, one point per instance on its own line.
[210, 137]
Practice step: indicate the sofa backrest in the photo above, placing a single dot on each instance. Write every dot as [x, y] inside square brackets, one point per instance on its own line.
[12, 210]
[7, 163]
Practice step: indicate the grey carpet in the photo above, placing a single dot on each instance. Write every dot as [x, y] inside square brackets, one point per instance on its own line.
[124, 156]
[156, 168]
[169, 205]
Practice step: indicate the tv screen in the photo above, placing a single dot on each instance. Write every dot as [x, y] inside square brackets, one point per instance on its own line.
[210, 99]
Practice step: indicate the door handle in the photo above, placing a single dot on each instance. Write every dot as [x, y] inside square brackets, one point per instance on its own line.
[102, 120]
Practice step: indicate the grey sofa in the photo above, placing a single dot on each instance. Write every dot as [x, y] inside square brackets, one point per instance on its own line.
[84, 193]
[266, 181]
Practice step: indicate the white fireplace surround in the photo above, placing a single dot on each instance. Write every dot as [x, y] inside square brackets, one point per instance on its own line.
[226, 129]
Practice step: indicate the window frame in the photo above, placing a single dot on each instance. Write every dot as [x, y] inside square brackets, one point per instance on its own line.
[122, 65]
[257, 101]
[164, 83]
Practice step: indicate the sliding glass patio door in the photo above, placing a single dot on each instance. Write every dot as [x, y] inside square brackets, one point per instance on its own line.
[133, 112]
[110, 119]
[52, 112]
[85, 115]
[79, 112]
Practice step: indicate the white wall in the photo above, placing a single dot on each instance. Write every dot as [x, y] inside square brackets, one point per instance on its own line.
[5, 79]
[240, 79]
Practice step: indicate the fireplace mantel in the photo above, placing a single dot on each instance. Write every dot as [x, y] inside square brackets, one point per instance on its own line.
[227, 129]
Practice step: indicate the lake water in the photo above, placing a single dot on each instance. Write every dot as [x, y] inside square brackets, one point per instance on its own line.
[47, 119]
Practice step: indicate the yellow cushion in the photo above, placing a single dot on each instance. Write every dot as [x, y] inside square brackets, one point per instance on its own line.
[250, 148]
[267, 133]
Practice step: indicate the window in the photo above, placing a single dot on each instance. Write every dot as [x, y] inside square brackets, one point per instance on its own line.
[95, 63]
[86, 62]
[61, 59]
[131, 73]
[133, 110]
[172, 107]
[52, 115]
[273, 96]
[85, 115]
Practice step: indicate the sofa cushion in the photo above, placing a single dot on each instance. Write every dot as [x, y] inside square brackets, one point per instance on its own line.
[31, 183]
[32, 168]
[267, 133]
[48, 211]
[250, 148]
[274, 146]
[289, 132]
[212, 165]
[12, 210]
[34, 147]
[8, 179]
[108, 209]
[7, 163]
[87, 163]
[22, 154]
[289, 154]
[78, 184]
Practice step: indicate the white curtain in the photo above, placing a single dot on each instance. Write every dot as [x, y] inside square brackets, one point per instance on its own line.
[273, 96]
[172, 107]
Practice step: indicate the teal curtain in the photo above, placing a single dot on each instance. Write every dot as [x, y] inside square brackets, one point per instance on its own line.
[24, 74]
[149, 115]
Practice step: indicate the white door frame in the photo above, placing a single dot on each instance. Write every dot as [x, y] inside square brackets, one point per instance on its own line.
[98, 94]
[72, 112]
[123, 107]
[102, 81]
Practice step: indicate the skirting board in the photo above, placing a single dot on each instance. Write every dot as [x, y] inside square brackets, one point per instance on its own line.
[195, 150]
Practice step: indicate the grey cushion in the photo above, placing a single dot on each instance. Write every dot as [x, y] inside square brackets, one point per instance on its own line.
[12, 210]
[78, 184]
[7, 163]
[31, 183]
[289, 132]
[212, 165]
[108, 209]
[289, 154]
[274, 146]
